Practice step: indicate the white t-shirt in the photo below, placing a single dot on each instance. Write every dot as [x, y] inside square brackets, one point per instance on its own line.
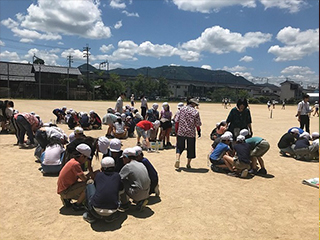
[52, 155]
[119, 127]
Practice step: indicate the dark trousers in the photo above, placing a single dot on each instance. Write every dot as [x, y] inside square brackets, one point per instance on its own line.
[305, 122]
[24, 127]
[191, 146]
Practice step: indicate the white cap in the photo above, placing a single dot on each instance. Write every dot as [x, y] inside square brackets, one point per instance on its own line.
[315, 135]
[129, 152]
[91, 112]
[107, 162]
[138, 150]
[64, 107]
[180, 105]
[156, 124]
[155, 106]
[226, 137]
[295, 130]
[244, 132]
[138, 115]
[115, 145]
[103, 144]
[71, 137]
[78, 130]
[305, 135]
[165, 104]
[84, 149]
[241, 138]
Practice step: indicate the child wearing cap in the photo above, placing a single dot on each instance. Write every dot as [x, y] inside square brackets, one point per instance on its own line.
[60, 113]
[301, 146]
[102, 195]
[116, 153]
[314, 147]
[259, 147]
[135, 179]
[69, 186]
[109, 119]
[119, 129]
[286, 141]
[73, 120]
[153, 174]
[241, 159]
[217, 156]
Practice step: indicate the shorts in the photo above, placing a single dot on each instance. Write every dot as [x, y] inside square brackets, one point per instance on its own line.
[260, 149]
[218, 162]
[241, 165]
[142, 132]
[165, 125]
[191, 146]
[74, 191]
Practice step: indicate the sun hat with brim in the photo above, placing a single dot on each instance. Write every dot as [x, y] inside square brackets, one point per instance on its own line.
[103, 144]
[107, 162]
[84, 149]
[194, 101]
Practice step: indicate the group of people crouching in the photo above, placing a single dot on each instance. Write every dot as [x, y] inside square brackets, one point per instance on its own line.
[124, 174]
[296, 143]
[240, 157]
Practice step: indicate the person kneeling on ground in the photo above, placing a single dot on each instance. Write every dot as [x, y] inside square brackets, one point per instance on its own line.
[102, 195]
[241, 159]
[301, 147]
[314, 147]
[153, 175]
[286, 141]
[136, 181]
[68, 185]
[52, 158]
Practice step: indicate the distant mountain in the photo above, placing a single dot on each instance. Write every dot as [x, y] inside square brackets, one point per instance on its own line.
[180, 73]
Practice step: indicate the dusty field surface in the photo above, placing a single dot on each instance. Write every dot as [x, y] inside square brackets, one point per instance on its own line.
[194, 204]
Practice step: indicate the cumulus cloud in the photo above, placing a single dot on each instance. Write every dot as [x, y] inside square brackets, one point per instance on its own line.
[105, 48]
[2, 43]
[118, 25]
[82, 18]
[234, 69]
[207, 6]
[246, 59]
[220, 40]
[297, 44]
[75, 53]
[297, 70]
[117, 4]
[208, 67]
[130, 14]
[48, 57]
[9, 56]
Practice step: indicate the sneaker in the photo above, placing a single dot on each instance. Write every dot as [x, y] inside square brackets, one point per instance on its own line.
[66, 202]
[177, 164]
[262, 171]
[112, 217]
[253, 171]
[150, 150]
[188, 166]
[88, 217]
[233, 174]
[170, 146]
[142, 204]
[76, 207]
[124, 207]
[244, 173]
[157, 191]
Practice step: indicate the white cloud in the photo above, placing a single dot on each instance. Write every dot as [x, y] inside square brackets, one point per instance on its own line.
[234, 69]
[219, 40]
[9, 56]
[29, 35]
[118, 25]
[297, 44]
[207, 6]
[2, 43]
[130, 14]
[208, 67]
[297, 70]
[117, 4]
[246, 59]
[291, 5]
[75, 53]
[82, 18]
[49, 58]
[105, 48]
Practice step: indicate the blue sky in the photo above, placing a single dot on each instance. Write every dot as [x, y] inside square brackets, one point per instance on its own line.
[257, 39]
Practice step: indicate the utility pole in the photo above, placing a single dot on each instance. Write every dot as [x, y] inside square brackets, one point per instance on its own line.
[70, 60]
[86, 54]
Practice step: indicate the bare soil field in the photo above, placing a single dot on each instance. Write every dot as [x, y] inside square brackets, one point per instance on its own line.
[194, 203]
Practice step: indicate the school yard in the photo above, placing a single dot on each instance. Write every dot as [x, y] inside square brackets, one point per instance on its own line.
[194, 204]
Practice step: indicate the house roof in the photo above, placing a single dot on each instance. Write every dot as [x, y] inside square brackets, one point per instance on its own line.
[268, 85]
[55, 69]
[16, 72]
[291, 82]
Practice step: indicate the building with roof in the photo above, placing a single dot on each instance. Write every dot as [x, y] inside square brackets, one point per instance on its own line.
[290, 90]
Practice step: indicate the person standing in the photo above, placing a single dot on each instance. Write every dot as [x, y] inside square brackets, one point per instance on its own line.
[144, 106]
[303, 113]
[240, 118]
[119, 105]
[186, 123]
[132, 100]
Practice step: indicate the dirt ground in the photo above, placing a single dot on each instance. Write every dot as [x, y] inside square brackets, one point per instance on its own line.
[194, 204]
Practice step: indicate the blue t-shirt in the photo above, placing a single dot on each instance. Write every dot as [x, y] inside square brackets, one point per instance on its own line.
[108, 185]
[219, 151]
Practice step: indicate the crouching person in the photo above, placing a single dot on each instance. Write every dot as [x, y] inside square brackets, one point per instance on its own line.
[102, 195]
[72, 180]
[136, 181]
